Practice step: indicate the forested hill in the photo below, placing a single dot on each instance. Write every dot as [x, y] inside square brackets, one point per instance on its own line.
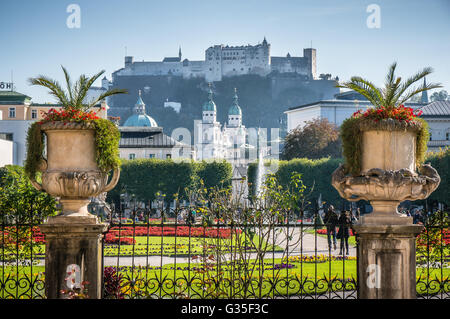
[262, 99]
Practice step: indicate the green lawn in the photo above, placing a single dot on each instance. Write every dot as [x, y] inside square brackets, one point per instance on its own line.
[181, 246]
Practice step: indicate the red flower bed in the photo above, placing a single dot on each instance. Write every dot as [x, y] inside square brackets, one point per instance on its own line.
[111, 238]
[11, 235]
[68, 115]
[324, 231]
[181, 231]
[434, 237]
[400, 113]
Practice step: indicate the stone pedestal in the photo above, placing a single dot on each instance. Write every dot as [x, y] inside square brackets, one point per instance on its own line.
[73, 241]
[386, 257]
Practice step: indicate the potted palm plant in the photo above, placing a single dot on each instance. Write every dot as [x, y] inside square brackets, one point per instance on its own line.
[72, 147]
[388, 135]
[384, 147]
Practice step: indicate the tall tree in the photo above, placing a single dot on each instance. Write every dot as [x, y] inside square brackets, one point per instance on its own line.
[318, 138]
[442, 95]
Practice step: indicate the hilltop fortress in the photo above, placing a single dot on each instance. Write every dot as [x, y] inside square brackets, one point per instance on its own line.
[267, 85]
[225, 61]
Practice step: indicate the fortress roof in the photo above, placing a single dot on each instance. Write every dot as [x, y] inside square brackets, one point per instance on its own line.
[172, 59]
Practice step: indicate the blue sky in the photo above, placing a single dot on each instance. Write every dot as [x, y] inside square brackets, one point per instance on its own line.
[36, 40]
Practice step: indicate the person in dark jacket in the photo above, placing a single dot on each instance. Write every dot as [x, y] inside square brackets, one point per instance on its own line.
[331, 219]
[343, 234]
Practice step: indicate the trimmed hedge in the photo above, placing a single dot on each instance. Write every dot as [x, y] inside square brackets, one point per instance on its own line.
[441, 162]
[144, 178]
[317, 174]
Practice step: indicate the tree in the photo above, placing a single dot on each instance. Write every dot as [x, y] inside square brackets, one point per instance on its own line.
[19, 201]
[439, 96]
[318, 138]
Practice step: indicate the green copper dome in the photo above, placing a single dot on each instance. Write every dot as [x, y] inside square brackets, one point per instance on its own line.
[209, 105]
[235, 109]
[140, 118]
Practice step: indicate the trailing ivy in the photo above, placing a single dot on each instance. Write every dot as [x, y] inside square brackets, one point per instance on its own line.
[35, 148]
[107, 138]
[423, 136]
[351, 137]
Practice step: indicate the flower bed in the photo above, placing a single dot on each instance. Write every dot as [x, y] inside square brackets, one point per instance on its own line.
[179, 231]
[324, 231]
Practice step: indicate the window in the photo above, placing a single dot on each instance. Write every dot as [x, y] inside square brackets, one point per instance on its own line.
[151, 155]
[132, 156]
[168, 156]
[34, 114]
[12, 112]
[6, 136]
[447, 136]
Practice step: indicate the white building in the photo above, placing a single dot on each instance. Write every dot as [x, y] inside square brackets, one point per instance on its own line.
[6, 148]
[6, 152]
[176, 106]
[437, 115]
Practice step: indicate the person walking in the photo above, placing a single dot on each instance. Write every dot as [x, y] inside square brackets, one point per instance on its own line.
[343, 234]
[331, 219]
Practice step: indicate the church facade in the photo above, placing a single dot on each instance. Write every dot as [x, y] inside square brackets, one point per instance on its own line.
[214, 141]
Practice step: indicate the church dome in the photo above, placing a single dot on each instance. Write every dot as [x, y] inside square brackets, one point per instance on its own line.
[235, 109]
[140, 118]
[209, 105]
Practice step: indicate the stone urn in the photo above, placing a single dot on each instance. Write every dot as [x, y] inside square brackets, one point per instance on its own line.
[388, 174]
[70, 171]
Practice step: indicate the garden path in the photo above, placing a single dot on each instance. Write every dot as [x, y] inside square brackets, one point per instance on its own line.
[311, 245]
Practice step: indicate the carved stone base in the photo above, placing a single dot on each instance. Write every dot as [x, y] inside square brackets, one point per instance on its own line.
[385, 213]
[73, 241]
[75, 207]
[386, 257]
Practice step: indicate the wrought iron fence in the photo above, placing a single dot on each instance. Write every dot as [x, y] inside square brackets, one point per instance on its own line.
[182, 256]
[433, 257]
[22, 254]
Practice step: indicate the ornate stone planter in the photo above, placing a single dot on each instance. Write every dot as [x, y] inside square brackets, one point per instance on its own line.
[70, 171]
[386, 254]
[388, 175]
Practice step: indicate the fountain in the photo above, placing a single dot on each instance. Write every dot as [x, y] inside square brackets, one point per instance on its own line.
[260, 172]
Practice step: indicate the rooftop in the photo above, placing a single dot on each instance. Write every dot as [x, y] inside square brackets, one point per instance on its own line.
[146, 137]
[436, 109]
[13, 97]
